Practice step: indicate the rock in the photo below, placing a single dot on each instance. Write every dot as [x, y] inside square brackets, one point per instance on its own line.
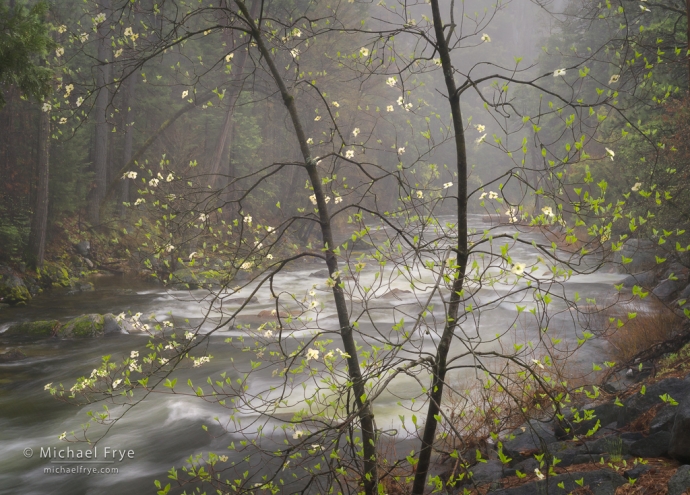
[679, 446]
[655, 445]
[270, 313]
[242, 300]
[533, 435]
[663, 421]
[666, 289]
[638, 404]
[321, 274]
[56, 274]
[679, 271]
[83, 248]
[12, 288]
[483, 473]
[605, 414]
[680, 481]
[92, 325]
[33, 329]
[613, 445]
[685, 293]
[644, 279]
[395, 294]
[12, 354]
[362, 245]
[643, 253]
[637, 471]
[598, 482]
[89, 263]
[187, 278]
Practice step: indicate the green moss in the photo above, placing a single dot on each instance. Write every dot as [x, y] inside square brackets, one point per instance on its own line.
[33, 328]
[57, 274]
[14, 292]
[83, 327]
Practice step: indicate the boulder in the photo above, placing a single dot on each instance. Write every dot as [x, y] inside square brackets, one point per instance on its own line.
[91, 325]
[679, 446]
[644, 279]
[598, 482]
[678, 271]
[613, 446]
[395, 294]
[655, 445]
[643, 253]
[83, 248]
[55, 274]
[483, 473]
[637, 471]
[12, 354]
[605, 414]
[532, 436]
[33, 329]
[663, 421]
[320, 274]
[666, 289]
[362, 245]
[12, 288]
[270, 313]
[638, 404]
[680, 481]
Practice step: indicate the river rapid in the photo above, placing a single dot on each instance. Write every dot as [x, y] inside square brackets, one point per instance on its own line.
[165, 430]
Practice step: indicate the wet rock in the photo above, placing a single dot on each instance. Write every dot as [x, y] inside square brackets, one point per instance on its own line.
[12, 288]
[598, 482]
[83, 248]
[243, 300]
[679, 271]
[680, 481]
[685, 293]
[679, 446]
[362, 245]
[91, 325]
[33, 329]
[82, 287]
[12, 354]
[642, 252]
[637, 471]
[396, 294]
[485, 472]
[320, 274]
[532, 436]
[605, 414]
[55, 274]
[638, 404]
[613, 445]
[655, 445]
[666, 289]
[644, 279]
[663, 421]
[271, 313]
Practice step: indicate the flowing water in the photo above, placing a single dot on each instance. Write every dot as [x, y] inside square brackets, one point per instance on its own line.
[166, 429]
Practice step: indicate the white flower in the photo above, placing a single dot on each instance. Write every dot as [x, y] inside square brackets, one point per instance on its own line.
[644, 9]
[335, 104]
[389, 108]
[130, 175]
[349, 154]
[83, 37]
[547, 211]
[636, 187]
[139, 201]
[317, 118]
[338, 199]
[437, 61]
[312, 198]
[270, 229]
[268, 334]
[312, 354]
[614, 79]
[539, 474]
[269, 256]
[297, 33]
[62, 29]
[310, 141]
[297, 434]
[80, 100]
[46, 107]
[134, 354]
[610, 153]
[447, 185]
[201, 360]
[312, 293]
[483, 195]
[559, 72]
[480, 139]
[68, 90]
[294, 52]
[486, 38]
[493, 195]
[99, 18]
[229, 57]
[129, 32]
[47, 387]
[313, 304]
[401, 150]
[185, 93]
[400, 100]
[62, 435]
[170, 177]
[330, 282]
[248, 219]
[327, 199]
[116, 383]
[364, 52]
[355, 131]
[246, 265]
[59, 51]
[518, 268]
[391, 82]
[63, 120]
[169, 248]
[153, 182]
[420, 194]
[189, 335]
[118, 52]
[480, 128]
[203, 217]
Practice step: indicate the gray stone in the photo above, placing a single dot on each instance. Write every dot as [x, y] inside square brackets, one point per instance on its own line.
[663, 421]
[89, 263]
[642, 252]
[605, 414]
[679, 271]
[320, 274]
[83, 248]
[612, 445]
[680, 481]
[91, 325]
[679, 447]
[637, 471]
[111, 326]
[12, 288]
[532, 436]
[666, 289]
[685, 293]
[12, 354]
[655, 445]
[598, 482]
[644, 279]
[485, 472]
[638, 404]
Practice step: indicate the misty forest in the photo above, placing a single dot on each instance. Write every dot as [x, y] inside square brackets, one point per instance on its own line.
[377, 247]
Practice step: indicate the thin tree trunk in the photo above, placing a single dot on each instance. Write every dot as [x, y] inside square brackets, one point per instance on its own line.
[439, 366]
[39, 222]
[101, 155]
[130, 88]
[687, 21]
[365, 412]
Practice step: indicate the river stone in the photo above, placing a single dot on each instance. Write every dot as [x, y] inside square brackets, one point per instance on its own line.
[599, 483]
[679, 447]
[638, 404]
[644, 279]
[91, 325]
[83, 248]
[396, 294]
[12, 288]
[655, 445]
[533, 435]
[12, 354]
[56, 274]
[612, 445]
[111, 325]
[666, 289]
[320, 274]
[680, 481]
[33, 329]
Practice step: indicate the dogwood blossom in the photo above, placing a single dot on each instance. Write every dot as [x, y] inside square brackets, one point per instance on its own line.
[614, 79]
[559, 72]
[349, 154]
[610, 153]
[486, 38]
[518, 268]
[447, 185]
[355, 131]
[391, 82]
[389, 108]
[636, 187]
[185, 93]
[130, 175]
[364, 52]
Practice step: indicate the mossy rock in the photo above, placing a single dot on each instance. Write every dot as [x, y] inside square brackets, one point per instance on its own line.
[12, 288]
[82, 327]
[188, 278]
[57, 274]
[41, 328]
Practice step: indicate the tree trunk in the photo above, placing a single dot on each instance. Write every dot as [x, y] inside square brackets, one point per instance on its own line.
[101, 107]
[39, 222]
[130, 88]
